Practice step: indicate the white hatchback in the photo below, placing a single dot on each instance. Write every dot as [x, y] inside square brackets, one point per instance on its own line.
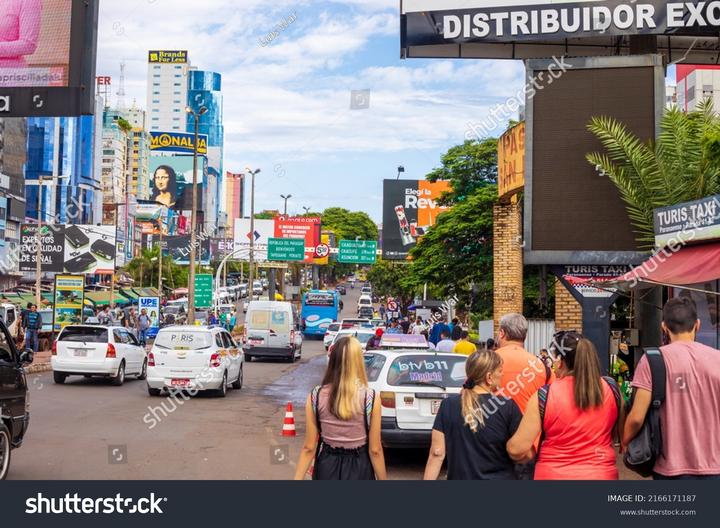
[105, 351]
[196, 359]
[412, 385]
[330, 333]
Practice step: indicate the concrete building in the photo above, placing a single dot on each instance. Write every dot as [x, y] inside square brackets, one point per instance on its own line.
[234, 199]
[695, 84]
[116, 145]
[139, 154]
[167, 90]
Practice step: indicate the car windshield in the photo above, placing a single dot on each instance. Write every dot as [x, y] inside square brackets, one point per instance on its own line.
[83, 334]
[334, 327]
[440, 369]
[184, 340]
[172, 310]
[363, 337]
[373, 365]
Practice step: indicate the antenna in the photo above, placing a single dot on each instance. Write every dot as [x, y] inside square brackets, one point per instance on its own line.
[121, 91]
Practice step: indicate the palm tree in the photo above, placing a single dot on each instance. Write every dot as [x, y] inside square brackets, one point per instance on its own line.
[683, 165]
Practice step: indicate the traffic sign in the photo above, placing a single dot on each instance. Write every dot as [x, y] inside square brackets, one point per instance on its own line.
[357, 252]
[322, 251]
[392, 306]
[203, 291]
[285, 249]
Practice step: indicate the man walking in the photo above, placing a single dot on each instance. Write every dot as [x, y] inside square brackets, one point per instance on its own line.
[143, 326]
[464, 346]
[445, 344]
[32, 330]
[437, 330]
[689, 417]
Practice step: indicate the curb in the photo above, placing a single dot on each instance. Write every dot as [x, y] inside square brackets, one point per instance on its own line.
[35, 369]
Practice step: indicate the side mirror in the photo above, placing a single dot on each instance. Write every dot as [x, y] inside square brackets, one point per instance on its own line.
[27, 356]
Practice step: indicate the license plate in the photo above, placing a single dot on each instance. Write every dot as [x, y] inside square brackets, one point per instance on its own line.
[256, 341]
[435, 406]
[81, 353]
[180, 383]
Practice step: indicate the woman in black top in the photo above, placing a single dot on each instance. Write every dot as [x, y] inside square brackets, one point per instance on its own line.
[472, 429]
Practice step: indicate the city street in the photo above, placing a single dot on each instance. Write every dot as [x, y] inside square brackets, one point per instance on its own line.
[88, 429]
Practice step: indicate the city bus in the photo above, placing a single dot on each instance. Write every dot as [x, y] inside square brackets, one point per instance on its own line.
[319, 309]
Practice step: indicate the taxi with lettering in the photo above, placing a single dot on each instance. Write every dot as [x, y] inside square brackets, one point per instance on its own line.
[194, 359]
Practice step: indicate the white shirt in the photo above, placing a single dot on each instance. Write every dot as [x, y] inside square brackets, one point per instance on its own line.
[446, 345]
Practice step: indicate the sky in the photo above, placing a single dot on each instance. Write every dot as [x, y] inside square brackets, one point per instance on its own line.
[287, 95]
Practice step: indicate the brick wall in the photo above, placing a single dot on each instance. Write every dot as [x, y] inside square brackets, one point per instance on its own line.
[568, 313]
[508, 261]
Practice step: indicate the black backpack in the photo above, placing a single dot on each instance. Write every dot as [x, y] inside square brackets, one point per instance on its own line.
[644, 450]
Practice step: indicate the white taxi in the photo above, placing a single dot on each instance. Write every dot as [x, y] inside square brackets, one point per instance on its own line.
[411, 386]
[195, 359]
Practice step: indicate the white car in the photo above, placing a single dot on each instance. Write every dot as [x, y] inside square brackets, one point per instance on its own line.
[330, 333]
[364, 301]
[195, 359]
[362, 334]
[411, 387]
[104, 351]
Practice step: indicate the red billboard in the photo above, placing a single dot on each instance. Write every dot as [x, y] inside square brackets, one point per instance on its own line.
[307, 228]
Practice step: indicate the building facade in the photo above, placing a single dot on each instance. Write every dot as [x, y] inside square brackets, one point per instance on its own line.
[695, 84]
[234, 198]
[13, 156]
[167, 90]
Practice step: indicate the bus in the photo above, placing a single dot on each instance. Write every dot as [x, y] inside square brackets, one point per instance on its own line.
[319, 309]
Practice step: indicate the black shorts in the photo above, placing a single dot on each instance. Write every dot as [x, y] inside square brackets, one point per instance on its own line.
[335, 463]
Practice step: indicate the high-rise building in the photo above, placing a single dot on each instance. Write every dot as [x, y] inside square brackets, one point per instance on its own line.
[13, 155]
[695, 84]
[116, 145]
[139, 154]
[234, 198]
[167, 90]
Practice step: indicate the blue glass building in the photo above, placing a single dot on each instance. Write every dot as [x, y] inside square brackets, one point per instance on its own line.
[69, 142]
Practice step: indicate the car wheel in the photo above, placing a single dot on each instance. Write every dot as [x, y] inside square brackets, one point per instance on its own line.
[59, 377]
[222, 390]
[238, 383]
[143, 372]
[248, 358]
[4, 451]
[154, 392]
[119, 378]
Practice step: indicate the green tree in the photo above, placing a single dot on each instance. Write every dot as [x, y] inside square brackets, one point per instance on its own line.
[388, 280]
[683, 165]
[467, 167]
[349, 225]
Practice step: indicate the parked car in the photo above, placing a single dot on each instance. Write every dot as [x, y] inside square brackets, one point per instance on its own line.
[364, 301]
[272, 329]
[98, 351]
[411, 386]
[366, 312]
[330, 333]
[341, 289]
[257, 288]
[194, 358]
[14, 403]
[367, 290]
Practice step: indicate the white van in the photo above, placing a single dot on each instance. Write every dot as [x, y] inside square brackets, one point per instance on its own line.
[272, 329]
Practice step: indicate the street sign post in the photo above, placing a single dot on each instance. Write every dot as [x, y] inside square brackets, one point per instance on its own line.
[357, 252]
[286, 249]
[203, 291]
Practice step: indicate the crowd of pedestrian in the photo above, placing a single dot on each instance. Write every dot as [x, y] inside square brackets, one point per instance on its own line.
[521, 416]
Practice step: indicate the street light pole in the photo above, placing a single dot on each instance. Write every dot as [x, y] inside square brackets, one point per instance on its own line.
[251, 271]
[38, 238]
[193, 217]
[286, 198]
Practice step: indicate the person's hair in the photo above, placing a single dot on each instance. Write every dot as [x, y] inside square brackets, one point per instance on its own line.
[543, 350]
[581, 358]
[345, 375]
[465, 334]
[455, 320]
[172, 182]
[29, 305]
[680, 315]
[477, 368]
[490, 344]
[445, 334]
[515, 326]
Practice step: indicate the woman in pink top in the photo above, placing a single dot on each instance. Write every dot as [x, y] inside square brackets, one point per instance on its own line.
[19, 31]
[343, 421]
[580, 413]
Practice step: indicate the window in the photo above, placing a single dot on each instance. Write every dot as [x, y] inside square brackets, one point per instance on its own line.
[156, 84]
[6, 354]
[177, 84]
[156, 67]
[156, 119]
[229, 343]
[157, 75]
[176, 119]
[75, 334]
[155, 109]
[178, 75]
[176, 128]
[3, 213]
[176, 93]
[177, 101]
[156, 93]
[176, 110]
[219, 341]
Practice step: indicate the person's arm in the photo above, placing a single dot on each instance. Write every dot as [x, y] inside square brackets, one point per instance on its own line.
[436, 457]
[521, 447]
[28, 31]
[307, 454]
[636, 417]
[377, 456]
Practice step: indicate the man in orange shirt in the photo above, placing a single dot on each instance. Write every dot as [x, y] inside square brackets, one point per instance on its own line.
[523, 373]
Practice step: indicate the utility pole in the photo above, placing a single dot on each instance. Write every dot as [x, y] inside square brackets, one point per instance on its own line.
[251, 271]
[286, 198]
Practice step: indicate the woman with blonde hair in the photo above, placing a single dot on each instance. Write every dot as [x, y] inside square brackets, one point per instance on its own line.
[472, 428]
[343, 420]
[574, 417]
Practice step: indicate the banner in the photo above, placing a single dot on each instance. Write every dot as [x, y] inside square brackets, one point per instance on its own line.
[172, 178]
[427, 22]
[52, 250]
[221, 247]
[151, 305]
[90, 249]
[690, 221]
[511, 161]
[409, 210]
[180, 142]
[69, 301]
[307, 228]
[264, 231]
[178, 247]
[168, 56]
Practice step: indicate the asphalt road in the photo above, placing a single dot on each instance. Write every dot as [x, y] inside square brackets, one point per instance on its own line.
[88, 429]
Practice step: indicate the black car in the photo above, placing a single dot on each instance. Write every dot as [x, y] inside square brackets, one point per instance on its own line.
[341, 289]
[14, 416]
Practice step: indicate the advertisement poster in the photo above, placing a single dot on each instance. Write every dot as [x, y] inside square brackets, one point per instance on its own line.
[264, 231]
[178, 247]
[178, 142]
[152, 306]
[172, 178]
[52, 251]
[90, 249]
[410, 209]
[307, 228]
[221, 247]
[35, 43]
[69, 301]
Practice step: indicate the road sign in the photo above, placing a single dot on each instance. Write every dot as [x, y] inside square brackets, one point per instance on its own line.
[392, 306]
[285, 249]
[358, 252]
[322, 251]
[203, 291]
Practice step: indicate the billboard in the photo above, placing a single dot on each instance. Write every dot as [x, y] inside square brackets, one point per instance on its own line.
[168, 56]
[521, 29]
[47, 57]
[77, 249]
[264, 231]
[178, 247]
[221, 247]
[511, 161]
[151, 305]
[409, 209]
[307, 228]
[69, 301]
[171, 181]
[178, 142]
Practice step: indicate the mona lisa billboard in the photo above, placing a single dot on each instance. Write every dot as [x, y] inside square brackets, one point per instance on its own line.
[171, 180]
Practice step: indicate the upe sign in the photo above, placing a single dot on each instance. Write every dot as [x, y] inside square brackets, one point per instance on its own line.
[689, 221]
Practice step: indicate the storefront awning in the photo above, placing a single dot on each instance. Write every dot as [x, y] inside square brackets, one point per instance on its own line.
[103, 298]
[687, 266]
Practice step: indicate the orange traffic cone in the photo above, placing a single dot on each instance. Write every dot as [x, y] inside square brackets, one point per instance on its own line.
[289, 423]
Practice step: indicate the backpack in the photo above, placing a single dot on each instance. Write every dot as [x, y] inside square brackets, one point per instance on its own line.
[644, 450]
